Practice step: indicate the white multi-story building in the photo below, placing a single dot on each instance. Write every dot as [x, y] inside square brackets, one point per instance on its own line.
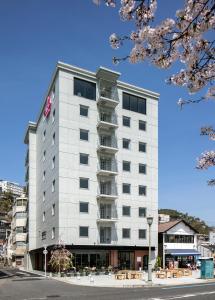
[18, 239]
[92, 170]
[12, 187]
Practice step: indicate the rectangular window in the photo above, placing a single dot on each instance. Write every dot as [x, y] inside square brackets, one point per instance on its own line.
[142, 168]
[83, 111]
[83, 183]
[44, 175]
[142, 147]
[142, 212]
[84, 134]
[53, 116]
[53, 138]
[126, 166]
[53, 186]
[126, 121]
[83, 231]
[84, 158]
[142, 233]
[53, 209]
[134, 103]
[43, 235]
[126, 233]
[44, 216]
[126, 188]
[126, 211]
[84, 207]
[53, 162]
[86, 89]
[44, 196]
[142, 190]
[44, 135]
[53, 233]
[142, 125]
[44, 155]
[126, 143]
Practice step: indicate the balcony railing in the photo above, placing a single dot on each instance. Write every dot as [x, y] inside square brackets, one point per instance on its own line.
[108, 95]
[107, 190]
[107, 214]
[107, 167]
[107, 120]
[107, 235]
[107, 143]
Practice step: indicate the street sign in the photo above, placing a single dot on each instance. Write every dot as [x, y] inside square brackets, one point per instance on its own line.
[45, 252]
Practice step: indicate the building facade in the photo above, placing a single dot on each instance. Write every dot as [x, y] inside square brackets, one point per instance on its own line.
[12, 187]
[177, 244]
[18, 239]
[92, 170]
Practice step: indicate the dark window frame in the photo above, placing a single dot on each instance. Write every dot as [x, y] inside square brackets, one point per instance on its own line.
[139, 235]
[84, 88]
[81, 181]
[84, 155]
[140, 192]
[126, 119]
[139, 210]
[143, 166]
[128, 141]
[134, 103]
[84, 131]
[84, 235]
[124, 162]
[126, 185]
[124, 230]
[123, 212]
[141, 122]
[83, 108]
[84, 203]
[142, 147]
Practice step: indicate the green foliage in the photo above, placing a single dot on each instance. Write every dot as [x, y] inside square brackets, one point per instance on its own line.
[61, 259]
[158, 262]
[6, 202]
[198, 224]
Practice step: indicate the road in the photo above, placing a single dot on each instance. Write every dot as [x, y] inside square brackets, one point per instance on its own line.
[17, 285]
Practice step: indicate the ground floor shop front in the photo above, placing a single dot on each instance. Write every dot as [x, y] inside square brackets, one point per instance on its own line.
[131, 258]
[181, 258]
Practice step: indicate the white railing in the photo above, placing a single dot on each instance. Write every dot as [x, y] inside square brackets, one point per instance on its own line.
[107, 188]
[107, 165]
[108, 141]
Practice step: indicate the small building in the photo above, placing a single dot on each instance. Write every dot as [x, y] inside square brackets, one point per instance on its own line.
[177, 244]
[12, 187]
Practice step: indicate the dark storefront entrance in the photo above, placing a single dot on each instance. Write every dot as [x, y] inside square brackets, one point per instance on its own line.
[126, 260]
[98, 260]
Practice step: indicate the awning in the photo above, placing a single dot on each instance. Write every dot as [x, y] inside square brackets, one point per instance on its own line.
[182, 252]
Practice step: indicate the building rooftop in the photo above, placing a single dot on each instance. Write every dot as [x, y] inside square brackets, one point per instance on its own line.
[164, 227]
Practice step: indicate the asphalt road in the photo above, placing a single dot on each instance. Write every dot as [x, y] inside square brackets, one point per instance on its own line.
[17, 285]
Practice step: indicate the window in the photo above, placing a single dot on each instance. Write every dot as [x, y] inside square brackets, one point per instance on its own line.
[126, 165]
[142, 125]
[20, 215]
[44, 175]
[83, 231]
[53, 162]
[84, 183]
[126, 187]
[134, 103]
[44, 135]
[125, 143]
[142, 233]
[142, 212]
[142, 147]
[44, 155]
[53, 116]
[84, 207]
[84, 134]
[86, 89]
[44, 196]
[53, 186]
[53, 233]
[84, 159]
[53, 209]
[142, 168]
[142, 190]
[126, 233]
[126, 211]
[43, 235]
[53, 138]
[126, 121]
[44, 216]
[176, 238]
[83, 111]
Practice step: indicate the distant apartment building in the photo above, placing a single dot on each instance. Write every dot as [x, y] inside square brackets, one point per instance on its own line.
[18, 238]
[14, 188]
[92, 170]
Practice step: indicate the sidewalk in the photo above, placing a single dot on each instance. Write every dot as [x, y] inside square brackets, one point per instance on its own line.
[110, 281]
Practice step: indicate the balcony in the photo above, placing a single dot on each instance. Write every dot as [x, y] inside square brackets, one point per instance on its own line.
[107, 190]
[107, 167]
[108, 95]
[21, 237]
[107, 120]
[107, 213]
[107, 235]
[107, 144]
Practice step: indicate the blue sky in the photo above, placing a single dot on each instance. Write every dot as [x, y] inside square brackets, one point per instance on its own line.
[35, 34]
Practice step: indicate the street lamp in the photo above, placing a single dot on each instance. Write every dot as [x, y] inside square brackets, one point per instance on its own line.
[45, 252]
[149, 221]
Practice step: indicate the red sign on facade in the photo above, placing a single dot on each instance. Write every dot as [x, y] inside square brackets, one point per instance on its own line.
[48, 106]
